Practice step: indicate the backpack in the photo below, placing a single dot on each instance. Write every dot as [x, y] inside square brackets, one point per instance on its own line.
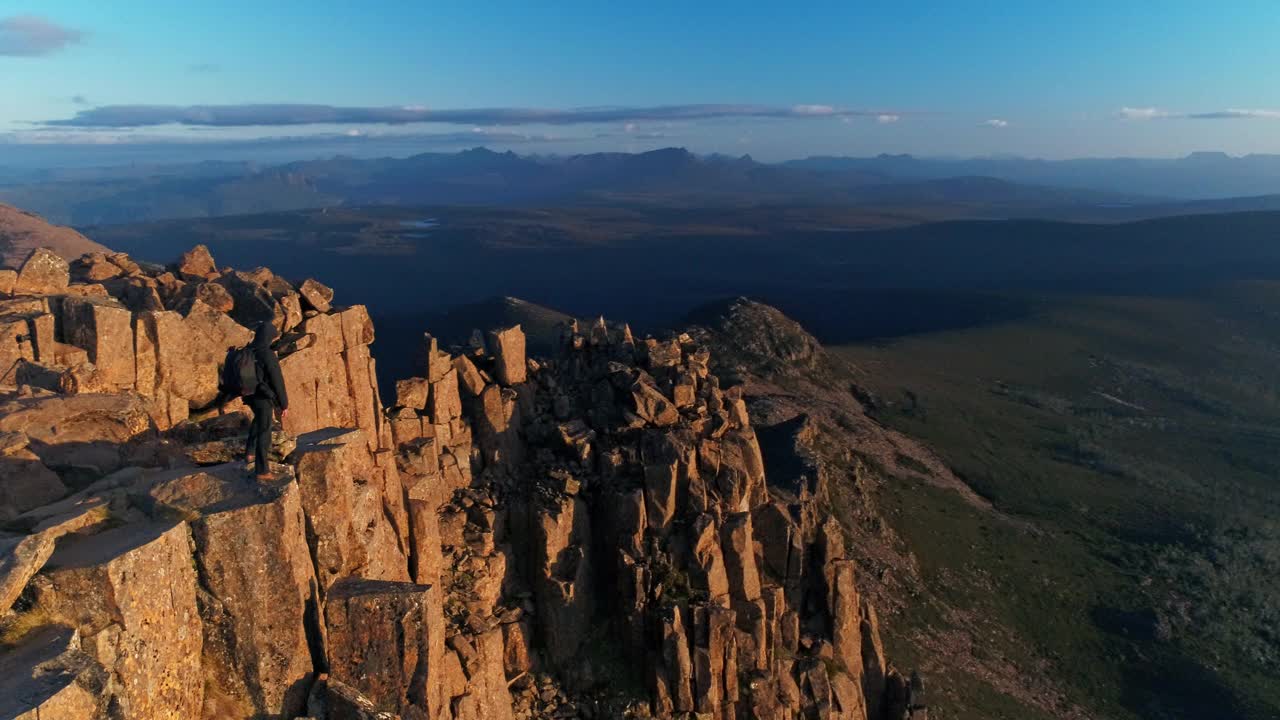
[242, 372]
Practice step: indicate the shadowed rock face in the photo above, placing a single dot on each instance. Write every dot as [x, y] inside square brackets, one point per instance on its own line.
[47, 675]
[593, 534]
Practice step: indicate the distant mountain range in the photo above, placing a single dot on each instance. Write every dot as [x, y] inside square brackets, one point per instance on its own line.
[989, 188]
[1201, 175]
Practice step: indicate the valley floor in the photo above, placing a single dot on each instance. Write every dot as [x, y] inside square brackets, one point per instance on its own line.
[1138, 437]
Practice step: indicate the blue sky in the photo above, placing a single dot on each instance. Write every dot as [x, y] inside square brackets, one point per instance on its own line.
[1046, 79]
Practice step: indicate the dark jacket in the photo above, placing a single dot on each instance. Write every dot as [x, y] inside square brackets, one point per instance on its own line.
[271, 383]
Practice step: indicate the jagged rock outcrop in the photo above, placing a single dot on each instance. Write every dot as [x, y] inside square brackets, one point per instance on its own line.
[594, 534]
[631, 481]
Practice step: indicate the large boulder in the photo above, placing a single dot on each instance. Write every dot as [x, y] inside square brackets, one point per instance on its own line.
[260, 595]
[484, 695]
[213, 294]
[291, 306]
[104, 329]
[47, 676]
[652, 406]
[329, 384]
[445, 403]
[197, 264]
[139, 294]
[357, 326]
[412, 393]
[16, 346]
[669, 463]
[508, 348]
[43, 273]
[333, 699]
[82, 433]
[22, 556]
[356, 516]
[25, 483]
[182, 355]
[469, 377]
[318, 295]
[150, 642]
[95, 267]
[251, 304]
[781, 541]
[386, 639]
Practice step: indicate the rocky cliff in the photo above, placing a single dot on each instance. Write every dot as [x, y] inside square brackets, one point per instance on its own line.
[594, 534]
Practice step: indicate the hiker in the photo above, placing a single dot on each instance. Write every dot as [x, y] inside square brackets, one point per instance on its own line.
[253, 374]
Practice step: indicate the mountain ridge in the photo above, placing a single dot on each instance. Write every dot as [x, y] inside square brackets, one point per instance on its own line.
[670, 176]
[21, 232]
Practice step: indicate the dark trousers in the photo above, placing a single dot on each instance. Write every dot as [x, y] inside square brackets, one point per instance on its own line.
[259, 441]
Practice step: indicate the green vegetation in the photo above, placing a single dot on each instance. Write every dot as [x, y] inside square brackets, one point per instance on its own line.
[1131, 444]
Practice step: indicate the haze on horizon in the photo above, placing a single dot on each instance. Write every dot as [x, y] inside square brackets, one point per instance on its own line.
[132, 82]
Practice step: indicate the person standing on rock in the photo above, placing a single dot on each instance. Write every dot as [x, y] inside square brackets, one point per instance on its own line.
[266, 397]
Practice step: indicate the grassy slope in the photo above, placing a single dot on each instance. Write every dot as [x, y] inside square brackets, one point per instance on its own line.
[1139, 436]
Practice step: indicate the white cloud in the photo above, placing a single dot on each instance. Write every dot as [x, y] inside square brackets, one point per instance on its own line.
[996, 123]
[29, 36]
[1150, 113]
[1147, 113]
[42, 137]
[1232, 114]
[887, 119]
[128, 137]
[813, 110]
[137, 116]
